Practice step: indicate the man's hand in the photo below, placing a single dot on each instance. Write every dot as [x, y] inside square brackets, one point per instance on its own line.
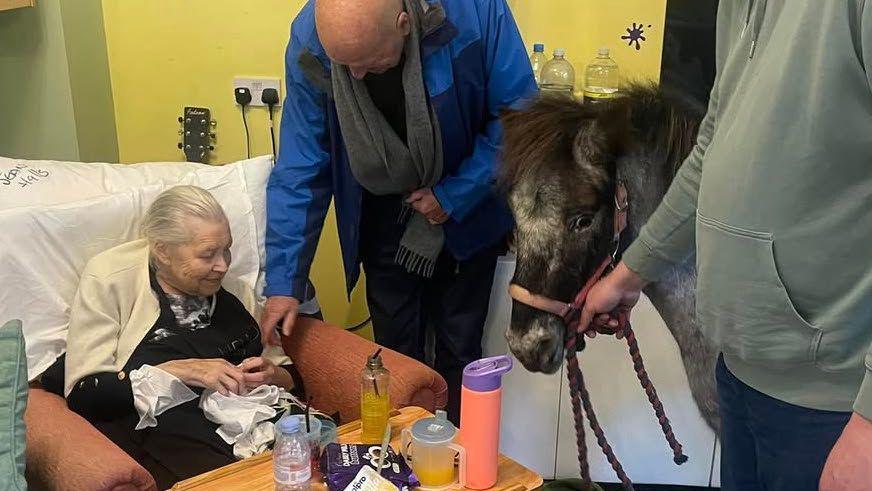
[259, 371]
[849, 466]
[216, 374]
[278, 308]
[425, 203]
[616, 293]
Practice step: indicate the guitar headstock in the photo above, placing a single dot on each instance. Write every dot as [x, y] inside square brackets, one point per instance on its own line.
[197, 134]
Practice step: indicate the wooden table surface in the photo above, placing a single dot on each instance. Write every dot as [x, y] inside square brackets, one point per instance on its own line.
[256, 473]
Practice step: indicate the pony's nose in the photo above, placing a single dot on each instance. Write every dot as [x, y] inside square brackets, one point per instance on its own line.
[540, 353]
[549, 353]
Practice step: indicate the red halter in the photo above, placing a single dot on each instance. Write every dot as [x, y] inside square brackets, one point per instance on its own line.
[569, 311]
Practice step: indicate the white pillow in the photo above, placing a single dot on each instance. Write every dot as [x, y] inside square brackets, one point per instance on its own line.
[53, 225]
[45, 182]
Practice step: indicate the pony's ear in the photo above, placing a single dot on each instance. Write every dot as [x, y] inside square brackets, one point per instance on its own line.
[589, 150]
[599, 141]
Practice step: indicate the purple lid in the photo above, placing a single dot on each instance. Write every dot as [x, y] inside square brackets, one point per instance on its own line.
[487, 374]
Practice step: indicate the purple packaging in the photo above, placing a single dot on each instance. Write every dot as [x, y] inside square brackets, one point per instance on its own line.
[341, 462]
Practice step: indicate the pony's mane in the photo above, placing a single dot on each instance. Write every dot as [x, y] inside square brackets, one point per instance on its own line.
[644, 120]
[540, 135]
[664, 124]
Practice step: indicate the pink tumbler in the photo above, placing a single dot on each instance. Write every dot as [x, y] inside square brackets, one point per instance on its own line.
[480, 419]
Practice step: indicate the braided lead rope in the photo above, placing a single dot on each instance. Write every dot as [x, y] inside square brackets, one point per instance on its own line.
[577, 414]
[581, 399]
[638, 365]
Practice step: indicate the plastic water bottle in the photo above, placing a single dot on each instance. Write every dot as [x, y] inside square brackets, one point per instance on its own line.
[292, 464]
[601, 78]
[558, 76]
[537, 61]
[480, 409]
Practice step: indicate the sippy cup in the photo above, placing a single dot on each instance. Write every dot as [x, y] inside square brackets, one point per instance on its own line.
[429, 446]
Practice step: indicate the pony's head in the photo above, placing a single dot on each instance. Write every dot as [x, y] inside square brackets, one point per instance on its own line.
[559, 173]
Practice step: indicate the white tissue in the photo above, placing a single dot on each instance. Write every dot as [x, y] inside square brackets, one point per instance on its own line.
[156, 391]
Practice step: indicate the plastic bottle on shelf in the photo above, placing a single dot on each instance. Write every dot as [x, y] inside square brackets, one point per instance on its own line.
[537, 61]
[558, 76]
[601, 78]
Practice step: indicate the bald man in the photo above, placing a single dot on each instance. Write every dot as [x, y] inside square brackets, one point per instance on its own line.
[392, 110]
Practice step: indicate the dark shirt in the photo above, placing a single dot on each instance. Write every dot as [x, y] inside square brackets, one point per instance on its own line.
[386, 91]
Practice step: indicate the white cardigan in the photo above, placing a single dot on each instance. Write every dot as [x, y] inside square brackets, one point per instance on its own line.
[114, 309]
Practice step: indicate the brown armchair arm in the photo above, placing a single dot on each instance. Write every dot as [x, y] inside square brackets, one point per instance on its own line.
[64, 452]
[330, 361]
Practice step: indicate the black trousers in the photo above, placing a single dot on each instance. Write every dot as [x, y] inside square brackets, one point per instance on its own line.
[454, 302]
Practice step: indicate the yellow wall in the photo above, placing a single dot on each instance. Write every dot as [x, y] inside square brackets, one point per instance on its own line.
[166, 54]
[582, 26]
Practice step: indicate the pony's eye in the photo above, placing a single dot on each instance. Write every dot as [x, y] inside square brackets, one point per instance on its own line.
[580, 222]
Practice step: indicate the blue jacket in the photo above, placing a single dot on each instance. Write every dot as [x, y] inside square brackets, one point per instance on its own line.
[475, 65]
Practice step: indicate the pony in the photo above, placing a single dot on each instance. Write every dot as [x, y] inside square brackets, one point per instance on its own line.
[562, 161]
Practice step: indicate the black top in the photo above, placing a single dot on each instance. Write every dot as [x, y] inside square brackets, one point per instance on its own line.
[386, 91]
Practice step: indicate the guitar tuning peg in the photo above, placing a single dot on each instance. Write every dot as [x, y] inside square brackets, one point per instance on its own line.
[181, 119]
[180, 145]
[213, 123]
[211, 147]
[181, 132]
[213, 136]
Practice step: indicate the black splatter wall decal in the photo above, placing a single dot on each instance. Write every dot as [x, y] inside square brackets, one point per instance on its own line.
[635, 35]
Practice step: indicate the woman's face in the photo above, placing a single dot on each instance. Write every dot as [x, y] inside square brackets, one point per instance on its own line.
[196, 268]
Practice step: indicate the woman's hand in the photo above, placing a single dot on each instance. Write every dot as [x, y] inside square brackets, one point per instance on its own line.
[216, 374]
[260, 371]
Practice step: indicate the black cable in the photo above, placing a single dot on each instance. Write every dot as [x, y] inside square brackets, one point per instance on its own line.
[360, 326]
[272, 133]
[247, 137]
[270, 97]
[243, 98]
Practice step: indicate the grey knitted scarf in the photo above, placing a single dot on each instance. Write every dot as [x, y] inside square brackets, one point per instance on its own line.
[381, 162]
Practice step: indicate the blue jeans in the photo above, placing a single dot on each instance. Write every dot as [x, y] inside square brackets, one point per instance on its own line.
[770, 445]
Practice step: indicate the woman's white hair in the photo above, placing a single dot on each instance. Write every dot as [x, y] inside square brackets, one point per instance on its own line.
[164, 222]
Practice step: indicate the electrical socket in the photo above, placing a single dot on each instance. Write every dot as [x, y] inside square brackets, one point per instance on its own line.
[256, 86]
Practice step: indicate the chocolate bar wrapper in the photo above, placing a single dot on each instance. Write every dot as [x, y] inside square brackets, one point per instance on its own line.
[340, 463]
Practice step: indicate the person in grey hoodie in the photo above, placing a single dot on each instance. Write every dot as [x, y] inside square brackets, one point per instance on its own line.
[775, 203]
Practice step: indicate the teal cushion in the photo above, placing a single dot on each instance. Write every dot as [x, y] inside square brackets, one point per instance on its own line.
[13, 400]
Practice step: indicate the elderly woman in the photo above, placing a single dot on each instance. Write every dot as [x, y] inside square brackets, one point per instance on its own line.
[152, 322]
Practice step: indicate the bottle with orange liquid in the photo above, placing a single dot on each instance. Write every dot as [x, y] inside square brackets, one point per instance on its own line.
[375, 404]
[480, 405]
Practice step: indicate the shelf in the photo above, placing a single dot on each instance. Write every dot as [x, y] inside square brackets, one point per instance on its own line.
[14, 4]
